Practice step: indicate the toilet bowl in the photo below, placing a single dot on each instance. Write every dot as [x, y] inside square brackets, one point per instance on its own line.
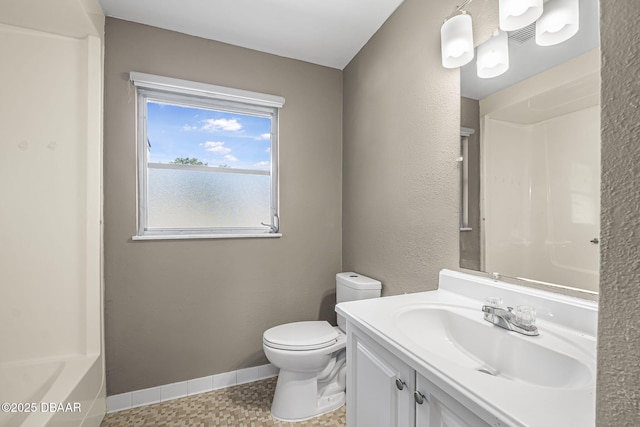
[306, 368]
[311, 357]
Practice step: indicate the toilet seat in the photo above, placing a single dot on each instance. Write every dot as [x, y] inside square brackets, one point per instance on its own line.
[301, 336]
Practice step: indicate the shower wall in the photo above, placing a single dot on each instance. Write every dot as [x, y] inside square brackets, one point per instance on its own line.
[542, 197]
[50, 221]
[43, 162]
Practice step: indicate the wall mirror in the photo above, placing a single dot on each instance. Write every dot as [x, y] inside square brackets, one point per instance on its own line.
[530, 149]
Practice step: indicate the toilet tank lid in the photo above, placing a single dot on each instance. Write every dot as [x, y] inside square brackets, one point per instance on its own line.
[358, 281]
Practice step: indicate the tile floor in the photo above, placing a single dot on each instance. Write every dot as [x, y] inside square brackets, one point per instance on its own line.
[245, 405]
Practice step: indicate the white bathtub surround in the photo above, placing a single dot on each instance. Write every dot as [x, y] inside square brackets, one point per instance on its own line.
[51, 323]
[435, 354]
[164, 393]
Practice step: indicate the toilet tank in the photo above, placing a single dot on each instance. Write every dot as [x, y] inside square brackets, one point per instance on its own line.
[352, 286]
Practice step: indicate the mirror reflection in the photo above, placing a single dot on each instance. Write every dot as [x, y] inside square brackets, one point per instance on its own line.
[530, 152]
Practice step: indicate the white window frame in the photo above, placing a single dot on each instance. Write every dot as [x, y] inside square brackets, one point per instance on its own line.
[202, 95]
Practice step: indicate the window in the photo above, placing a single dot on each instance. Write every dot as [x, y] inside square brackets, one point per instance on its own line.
[207, 160]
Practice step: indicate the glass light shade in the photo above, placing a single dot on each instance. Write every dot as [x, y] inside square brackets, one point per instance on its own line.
[493, 56]
[457, 41]
[516, 14]
[559, 22]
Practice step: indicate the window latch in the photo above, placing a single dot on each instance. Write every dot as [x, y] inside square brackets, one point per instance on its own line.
[275, 226]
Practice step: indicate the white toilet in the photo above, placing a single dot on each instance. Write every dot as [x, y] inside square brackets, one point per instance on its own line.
[311, 357]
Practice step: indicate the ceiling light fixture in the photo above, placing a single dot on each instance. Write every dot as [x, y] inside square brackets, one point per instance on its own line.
[559, 22]
[516, 14]
[457, 41]
[493, 56]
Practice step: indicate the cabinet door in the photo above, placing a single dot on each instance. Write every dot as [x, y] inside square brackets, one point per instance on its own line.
[438, 409]
[380, 387]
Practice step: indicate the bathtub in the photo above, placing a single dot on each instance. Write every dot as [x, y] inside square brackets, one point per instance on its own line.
[52, 392]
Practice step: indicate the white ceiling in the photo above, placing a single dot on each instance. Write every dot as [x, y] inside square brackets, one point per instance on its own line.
[324, 32]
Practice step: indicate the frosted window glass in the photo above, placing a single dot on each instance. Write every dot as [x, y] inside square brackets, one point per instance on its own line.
[197, 199]
[206, 166]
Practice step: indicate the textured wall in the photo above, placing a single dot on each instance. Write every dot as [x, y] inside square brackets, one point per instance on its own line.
[177, 310]
[618, 389]
[401, 139]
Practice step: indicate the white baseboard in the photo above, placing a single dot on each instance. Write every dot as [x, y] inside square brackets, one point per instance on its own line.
[163, 393]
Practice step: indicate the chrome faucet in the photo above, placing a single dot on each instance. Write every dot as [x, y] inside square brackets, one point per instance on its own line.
[522, 321]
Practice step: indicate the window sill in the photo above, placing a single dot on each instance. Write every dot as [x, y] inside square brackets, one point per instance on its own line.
[204, 236]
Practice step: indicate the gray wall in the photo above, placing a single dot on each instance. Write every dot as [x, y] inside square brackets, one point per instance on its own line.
[618, 392]
[401, 124]
[401, 139]
[177, 310]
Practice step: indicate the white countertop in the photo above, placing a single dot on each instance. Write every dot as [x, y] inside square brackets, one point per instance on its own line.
[566, 324]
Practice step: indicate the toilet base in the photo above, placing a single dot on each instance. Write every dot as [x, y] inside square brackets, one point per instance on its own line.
[296, 397]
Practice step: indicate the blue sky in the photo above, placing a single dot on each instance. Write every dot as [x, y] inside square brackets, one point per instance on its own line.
[214, 137]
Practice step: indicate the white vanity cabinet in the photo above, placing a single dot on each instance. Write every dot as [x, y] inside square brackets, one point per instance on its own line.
[380, 386]
[384, 391]
[435, 408]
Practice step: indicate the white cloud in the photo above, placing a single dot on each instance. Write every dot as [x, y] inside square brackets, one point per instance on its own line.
[216, 147]
[213, 125]
[263, 163]
[231, 158]
[264, 137]
[268, 150]
[189, 128]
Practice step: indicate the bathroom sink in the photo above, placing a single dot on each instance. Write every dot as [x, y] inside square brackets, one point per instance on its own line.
[505, 377]
[459, 335]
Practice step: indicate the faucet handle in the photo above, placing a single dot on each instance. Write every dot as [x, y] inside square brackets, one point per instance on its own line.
[525, 315]
[493, 302]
